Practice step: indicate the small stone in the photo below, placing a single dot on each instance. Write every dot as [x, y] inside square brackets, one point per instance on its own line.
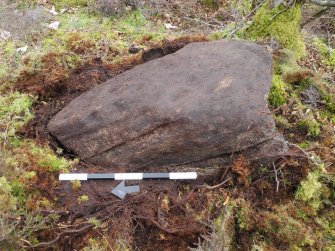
[54, 25]
[133, 49]
[4, 35]
[22, 49]
[170, 26]
[53, 11]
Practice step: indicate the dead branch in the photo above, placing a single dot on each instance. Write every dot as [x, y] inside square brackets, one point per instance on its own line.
[328, 3]
[276, 176]
[216, 186]
[225, 172]
[290, 4]
[307, 154]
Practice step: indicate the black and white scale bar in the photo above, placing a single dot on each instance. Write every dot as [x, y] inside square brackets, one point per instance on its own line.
[128, 176]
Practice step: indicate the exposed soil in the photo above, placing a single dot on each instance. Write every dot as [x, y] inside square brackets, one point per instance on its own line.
[163, 216]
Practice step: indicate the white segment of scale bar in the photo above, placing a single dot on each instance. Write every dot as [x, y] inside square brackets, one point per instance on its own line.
[183, 176]
[73, 176]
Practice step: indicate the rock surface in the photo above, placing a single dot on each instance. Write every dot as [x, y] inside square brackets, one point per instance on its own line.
[204, 101]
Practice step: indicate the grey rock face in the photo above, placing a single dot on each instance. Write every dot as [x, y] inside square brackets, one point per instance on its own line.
[206, 100]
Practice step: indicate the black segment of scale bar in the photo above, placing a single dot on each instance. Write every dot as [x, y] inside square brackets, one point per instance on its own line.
[101, 176]
[156, 175]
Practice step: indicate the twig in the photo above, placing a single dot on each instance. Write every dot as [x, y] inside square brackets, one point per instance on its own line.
[307, 154]
[290, 4]
[42, 244]
[276, 176]
[256, 8]
[107, 242]
[225, 172]
[216, 186]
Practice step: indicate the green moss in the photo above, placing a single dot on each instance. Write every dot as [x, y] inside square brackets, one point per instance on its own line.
[97, 223]
[310, 126]
[9, 58]
[285, 62]
[305, 144]
[211, 4]
[277, 93]
[242, 8]
[328, 96]
[328, 115]
[96, 244]
[82, 198]
[282, 122]
[326, 229]
[46, 159]
[310, 190]
[24, 4]
[70, 3]
[8, 200]
[327, 53]
[216, 35]
[135, 27]
[283, 27]
[17, 190]
[76, 184]
[244, 214]
[280, 226]
[306, 83]
[14, 113]
[82, 21]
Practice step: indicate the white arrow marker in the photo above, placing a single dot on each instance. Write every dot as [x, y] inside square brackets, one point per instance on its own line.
[128, 176]
[121, 190]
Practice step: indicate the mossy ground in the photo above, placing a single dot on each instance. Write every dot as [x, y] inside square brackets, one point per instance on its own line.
[300, 217]
[304, 115]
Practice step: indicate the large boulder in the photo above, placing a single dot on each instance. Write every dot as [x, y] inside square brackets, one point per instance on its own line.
[204, 101]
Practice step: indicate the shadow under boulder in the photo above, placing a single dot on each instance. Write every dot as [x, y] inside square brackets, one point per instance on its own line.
[197, 105]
